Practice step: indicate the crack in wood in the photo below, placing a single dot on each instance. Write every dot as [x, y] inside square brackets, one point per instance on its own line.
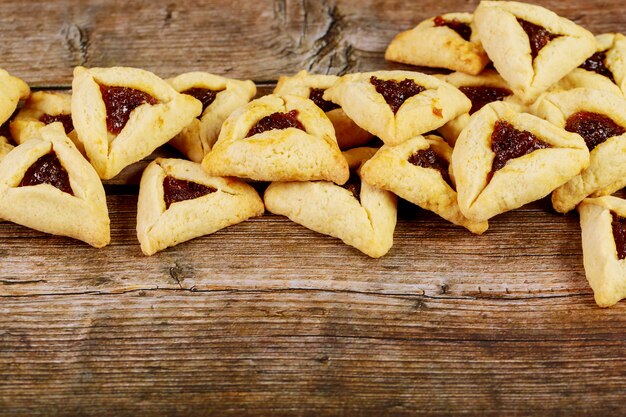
[16, 282]
[76, 42]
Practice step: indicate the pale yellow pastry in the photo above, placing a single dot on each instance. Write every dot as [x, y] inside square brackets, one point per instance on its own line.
[446, 41]
[504, 159]
[600, 118]
[12, 90]
[531, 47]
[480, 89]
[220, 96]
[178, 202]
[360, 215]
[313, 86]
[123, 114]
[41, 109]
[5, 147]
[278, 138]
[603, 224]
[47, 185]
[417, 171]
[412, 104]
[604, 70]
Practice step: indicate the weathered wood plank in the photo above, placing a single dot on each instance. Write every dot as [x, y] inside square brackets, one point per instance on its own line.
[43, 41]
[526, 253]
[307, 353]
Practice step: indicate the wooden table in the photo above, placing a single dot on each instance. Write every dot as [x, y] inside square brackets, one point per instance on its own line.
[267, 317]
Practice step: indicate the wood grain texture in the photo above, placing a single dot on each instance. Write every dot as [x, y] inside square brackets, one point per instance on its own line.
[44, 40]
[267, 317]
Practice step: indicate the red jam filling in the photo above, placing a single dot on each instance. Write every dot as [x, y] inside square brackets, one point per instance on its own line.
[175, 190]
[619, 234]
[317, 96]
[538, 36]
[481, 96]
[120, 102]
[427, 158]
[463, 29]
[595, 63]
[593, 127]
[509, 143]
[354, 185]
[394, 92]
[276, 121]
[48, 170]
[65, 119]
[205, 95]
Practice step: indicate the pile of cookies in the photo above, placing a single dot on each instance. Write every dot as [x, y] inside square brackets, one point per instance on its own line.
[549, 118]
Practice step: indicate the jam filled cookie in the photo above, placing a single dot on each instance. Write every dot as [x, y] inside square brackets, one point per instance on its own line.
[531, 47]
[600, 118]
[276, 138]
[303, 84]
[603, 224]
[446, 41]
[604, 70]
[220, 96]
[47, 185]
[398, 105]
[357, 213]
[503, 160]
[417, 170]
[178, 201]
[41, 109]
[12, 90]
[121, 115]
[481, 90]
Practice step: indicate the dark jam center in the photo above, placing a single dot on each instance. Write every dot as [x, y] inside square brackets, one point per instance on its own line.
[395, 92]
[205, 95]
[619, 234]
[538, 36]
[175, 190]
[276, 121]
[48, 170]
[481, 96]
[593, 127]
[317, 96]
[463, 29]
[596, 63]
[354, 185]
[120, 102]
[65, 119]
[427, 158]
[509, 143]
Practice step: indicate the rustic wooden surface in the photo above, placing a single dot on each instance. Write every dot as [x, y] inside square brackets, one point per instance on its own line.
[267, 317]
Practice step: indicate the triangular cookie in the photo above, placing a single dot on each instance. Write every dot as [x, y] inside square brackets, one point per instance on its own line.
[503, 160]
[277, 138]
[47, 185]
[600, 118]
[531, 47]
[397, 105]
[481, 90]
[446, 41]
[313, 86]
[122, 114]
[603, 224]
[357, 213]
[178, 201]
[417, 170]
[604, 70]
[41, 109]
[220, 96]
[12, 90]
